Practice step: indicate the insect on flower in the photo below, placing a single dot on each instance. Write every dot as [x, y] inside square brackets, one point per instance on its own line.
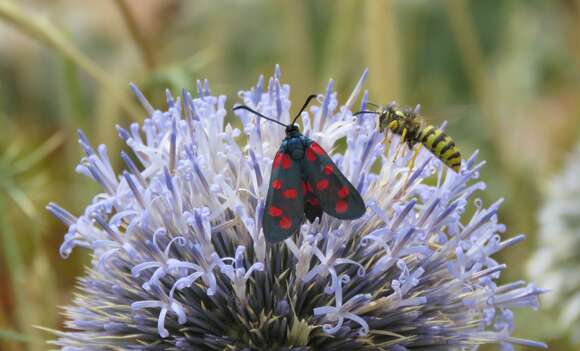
[304, 181]
[410, 125]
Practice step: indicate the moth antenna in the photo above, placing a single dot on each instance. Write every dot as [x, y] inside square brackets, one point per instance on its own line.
[244, 107]
[308, 99]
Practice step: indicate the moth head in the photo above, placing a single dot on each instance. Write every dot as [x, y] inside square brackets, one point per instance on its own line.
[292, 130]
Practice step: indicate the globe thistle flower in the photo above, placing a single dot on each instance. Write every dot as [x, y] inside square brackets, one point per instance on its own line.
[180, 261]
[555, 262]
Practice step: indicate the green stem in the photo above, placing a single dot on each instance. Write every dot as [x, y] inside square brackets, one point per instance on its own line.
[74, 107]
[383, 51]
[339, 42]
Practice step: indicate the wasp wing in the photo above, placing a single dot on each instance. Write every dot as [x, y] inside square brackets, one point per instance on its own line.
[337, 196]
[284, 209]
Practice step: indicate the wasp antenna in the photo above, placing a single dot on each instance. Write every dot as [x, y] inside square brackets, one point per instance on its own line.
[244, 107]
[373, 104]
[363, 112]
[308, 99]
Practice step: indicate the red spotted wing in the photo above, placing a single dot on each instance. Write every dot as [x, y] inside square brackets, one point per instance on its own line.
[284, 209]
[336, 195]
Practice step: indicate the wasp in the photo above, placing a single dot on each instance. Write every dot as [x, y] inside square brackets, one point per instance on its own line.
[410, 125]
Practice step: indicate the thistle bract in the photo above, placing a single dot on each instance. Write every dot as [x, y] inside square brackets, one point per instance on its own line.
[180, 261]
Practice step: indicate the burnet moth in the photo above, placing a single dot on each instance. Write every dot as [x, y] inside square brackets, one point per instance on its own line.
[304, 182]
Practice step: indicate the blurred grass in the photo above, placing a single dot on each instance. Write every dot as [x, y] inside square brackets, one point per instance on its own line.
[66, 64]
[44, 31]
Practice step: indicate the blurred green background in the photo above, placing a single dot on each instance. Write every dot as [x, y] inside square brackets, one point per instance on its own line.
[503, 73]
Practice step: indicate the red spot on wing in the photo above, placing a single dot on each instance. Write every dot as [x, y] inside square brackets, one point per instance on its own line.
[290, 193]
[314, 201]
[277, 184]
[341, 206]
[308, 187]
[310, 155]
[343, 192]
[322, 184]
[286, 161]
[285, 223]
[274, 211]
[328, 169]
[277, 160]
[317, 149]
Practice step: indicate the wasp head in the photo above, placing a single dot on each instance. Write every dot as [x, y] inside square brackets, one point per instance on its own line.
[386, 115]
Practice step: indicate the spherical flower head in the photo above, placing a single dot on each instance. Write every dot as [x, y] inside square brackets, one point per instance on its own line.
[180, 261]
[555, 262]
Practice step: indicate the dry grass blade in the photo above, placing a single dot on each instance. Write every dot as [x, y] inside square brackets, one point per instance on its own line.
[42, 30]
[144, 46]
[40, 153]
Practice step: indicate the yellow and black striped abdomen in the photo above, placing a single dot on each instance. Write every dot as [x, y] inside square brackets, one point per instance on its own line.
[442, 146]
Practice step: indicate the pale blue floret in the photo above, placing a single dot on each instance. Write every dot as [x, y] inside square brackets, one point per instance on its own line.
[340, 311]
[162, 262]
[327, 266]
[166, 304]
[238, 274]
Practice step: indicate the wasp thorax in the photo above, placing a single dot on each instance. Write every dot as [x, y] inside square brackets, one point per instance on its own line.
[394, 126]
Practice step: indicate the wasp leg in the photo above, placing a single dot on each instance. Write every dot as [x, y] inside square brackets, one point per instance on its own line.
[404, 135]
[412, 164]
[401, 144]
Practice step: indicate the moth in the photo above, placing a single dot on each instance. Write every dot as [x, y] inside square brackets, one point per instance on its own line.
[304, 182]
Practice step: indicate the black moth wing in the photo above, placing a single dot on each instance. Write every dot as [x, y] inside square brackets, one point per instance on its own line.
[337, 196]
[284, 209]
[312, 208]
